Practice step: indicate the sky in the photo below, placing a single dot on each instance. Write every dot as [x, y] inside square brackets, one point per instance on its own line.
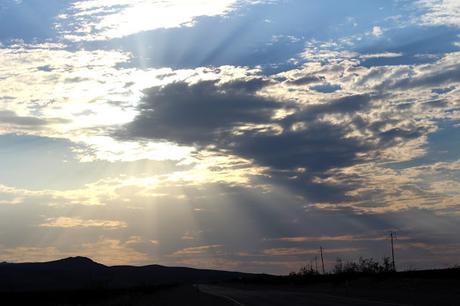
[231, 134]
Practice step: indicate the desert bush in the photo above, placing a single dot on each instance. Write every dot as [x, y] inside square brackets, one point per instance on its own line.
[306, 270]
[364, 265]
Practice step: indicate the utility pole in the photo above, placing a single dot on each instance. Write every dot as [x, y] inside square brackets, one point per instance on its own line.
[316, 264]
[392, 252]
[322, 259]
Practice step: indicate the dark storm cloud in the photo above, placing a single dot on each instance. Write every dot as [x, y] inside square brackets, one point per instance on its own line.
[298, 154]
[320, 147]
[202, 113]
[207, 113]
[307, 80]
[345, 105]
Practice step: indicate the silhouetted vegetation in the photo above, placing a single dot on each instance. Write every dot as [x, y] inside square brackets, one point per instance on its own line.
[305, 271]
[364, 266]
[343, 271]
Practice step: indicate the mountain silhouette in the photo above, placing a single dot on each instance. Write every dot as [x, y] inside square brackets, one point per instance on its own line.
[73, 263]
[76, 273]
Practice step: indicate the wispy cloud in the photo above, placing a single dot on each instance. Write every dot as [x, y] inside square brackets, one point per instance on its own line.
[68, 222]
[199, 250]
[336, 238]
[303, 251]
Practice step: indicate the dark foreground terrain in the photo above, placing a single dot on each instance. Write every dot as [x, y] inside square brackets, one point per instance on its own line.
[80, 281]
[162, 295]
[365, 291]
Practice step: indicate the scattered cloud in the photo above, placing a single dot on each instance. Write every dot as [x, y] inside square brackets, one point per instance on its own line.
[264, 124]
[440, 12]
[66, 222]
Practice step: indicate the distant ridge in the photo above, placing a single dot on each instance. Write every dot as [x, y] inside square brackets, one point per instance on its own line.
[77, 261]
[76, 273]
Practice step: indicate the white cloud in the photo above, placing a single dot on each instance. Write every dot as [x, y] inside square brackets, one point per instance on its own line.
[441, 12]
[77, 96]
[377, 31]
[103, 19]
[381, 55]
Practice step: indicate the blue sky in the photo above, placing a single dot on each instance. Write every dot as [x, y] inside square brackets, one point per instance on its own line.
[231, 134]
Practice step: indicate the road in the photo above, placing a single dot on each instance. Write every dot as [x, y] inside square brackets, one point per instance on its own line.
[275, 297]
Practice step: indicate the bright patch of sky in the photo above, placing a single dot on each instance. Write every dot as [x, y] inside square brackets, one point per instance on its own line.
[101, 19]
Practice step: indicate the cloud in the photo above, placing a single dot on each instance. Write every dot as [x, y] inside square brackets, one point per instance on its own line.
[303, 251]
[232, 117]
[446, 72]
[99, 19]
[66, 222]
[377, 31]
[297, 147]
[92, 95]
[35, 99]
[345, 238]
[11, 119]
[381, 55]
[200, 113]
[316, 144]
[440, 12]
[199, 250]
[307, 79]
[265, 224]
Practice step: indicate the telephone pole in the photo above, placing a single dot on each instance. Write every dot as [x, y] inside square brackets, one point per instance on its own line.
[322, 259]
[392, 252]
[316, 264]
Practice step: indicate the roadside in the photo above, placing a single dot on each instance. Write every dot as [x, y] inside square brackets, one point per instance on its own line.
[285, 296]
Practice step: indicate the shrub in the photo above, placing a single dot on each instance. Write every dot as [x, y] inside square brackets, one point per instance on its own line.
[364, 265]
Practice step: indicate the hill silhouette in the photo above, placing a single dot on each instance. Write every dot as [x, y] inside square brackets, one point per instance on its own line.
[76, 273]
